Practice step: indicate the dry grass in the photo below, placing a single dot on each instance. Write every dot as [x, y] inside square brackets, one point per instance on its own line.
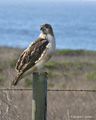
[68, 69]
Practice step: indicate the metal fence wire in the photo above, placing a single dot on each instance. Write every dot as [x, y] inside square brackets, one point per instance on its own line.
[62, 104]
[50, 90]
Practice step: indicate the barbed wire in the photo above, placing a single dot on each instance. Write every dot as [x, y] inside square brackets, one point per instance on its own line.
[52, 90]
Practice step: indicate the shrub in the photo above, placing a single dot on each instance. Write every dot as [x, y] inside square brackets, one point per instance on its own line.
[50, 64]
[1, 78]
[12, 63]
[70, 52]
[1, 68]
[50, 84]
[28, 83]
[91, 75]
[62, 85]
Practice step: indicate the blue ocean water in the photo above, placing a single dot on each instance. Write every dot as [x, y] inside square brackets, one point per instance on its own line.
[74, 23]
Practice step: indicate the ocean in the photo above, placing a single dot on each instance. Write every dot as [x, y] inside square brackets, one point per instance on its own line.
[74, 23]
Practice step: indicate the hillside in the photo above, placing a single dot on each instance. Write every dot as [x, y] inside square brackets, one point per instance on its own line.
[68, 69]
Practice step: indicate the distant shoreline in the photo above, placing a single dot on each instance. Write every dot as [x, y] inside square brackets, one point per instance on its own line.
[74, 27]
[56, 48]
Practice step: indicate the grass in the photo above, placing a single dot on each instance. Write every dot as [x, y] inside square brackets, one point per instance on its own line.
[67, 74]
[28, 83]
[12, 62]
[73, 78]
[1, 68]
[67, 64]
[79, 65]
[70, 52]
[62, 85]
[94, 88]
[50, 64]
[91, 75]
[51, 74]
[1, 78]
[50, 84]
[70, 64]
[54, 74]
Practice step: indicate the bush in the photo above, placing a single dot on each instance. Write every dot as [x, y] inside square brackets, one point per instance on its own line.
[91, 75]
[1, 78]
[50, 84]
[50, 64]
[70, 52]
[1, 68]
[28, 83]
[12, 63]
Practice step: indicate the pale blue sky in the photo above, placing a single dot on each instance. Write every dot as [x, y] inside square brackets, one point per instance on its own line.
[13, 1]
[6, 2]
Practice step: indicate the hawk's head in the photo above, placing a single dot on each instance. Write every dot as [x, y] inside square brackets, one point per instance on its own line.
[46, 29]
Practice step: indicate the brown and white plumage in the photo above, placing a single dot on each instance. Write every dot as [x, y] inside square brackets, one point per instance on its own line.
[37, 54]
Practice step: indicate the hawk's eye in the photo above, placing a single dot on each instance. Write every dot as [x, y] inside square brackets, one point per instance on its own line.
[46, 26]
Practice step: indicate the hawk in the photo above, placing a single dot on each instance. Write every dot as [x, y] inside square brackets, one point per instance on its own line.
[37, 54]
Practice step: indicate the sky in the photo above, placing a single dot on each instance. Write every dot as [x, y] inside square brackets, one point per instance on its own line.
[14, 2]
[19, 1]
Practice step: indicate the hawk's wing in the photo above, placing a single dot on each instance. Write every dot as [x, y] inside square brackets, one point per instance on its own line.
[31, 55]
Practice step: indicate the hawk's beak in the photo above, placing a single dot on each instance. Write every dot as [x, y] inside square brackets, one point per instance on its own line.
[42, 28]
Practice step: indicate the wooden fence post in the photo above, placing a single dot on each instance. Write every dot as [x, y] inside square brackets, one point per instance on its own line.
[39, 101]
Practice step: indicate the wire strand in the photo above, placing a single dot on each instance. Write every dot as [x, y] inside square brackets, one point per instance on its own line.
[49, 90]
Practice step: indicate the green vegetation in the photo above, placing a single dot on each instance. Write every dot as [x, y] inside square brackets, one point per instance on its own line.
[66, 74]
[1, 68]
[50, 64]
[79, 65]
[69, 64]
[1, 78]
[70, 52]
[59, 74]
[54, 74]
[50, 84]
[28, 83]
[62, 85]
[50, 74]
[94, 88]
[12, 63]
[66, 65]
[91, 75]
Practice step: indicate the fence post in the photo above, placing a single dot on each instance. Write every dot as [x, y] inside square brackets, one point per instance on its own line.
[39, 101]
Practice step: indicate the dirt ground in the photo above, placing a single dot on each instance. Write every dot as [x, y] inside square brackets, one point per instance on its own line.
[67, 70]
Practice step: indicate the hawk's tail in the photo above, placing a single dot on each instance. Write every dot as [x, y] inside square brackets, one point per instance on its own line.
[18, 77]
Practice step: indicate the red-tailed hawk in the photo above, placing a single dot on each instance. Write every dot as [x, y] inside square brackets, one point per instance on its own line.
[37, 54]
